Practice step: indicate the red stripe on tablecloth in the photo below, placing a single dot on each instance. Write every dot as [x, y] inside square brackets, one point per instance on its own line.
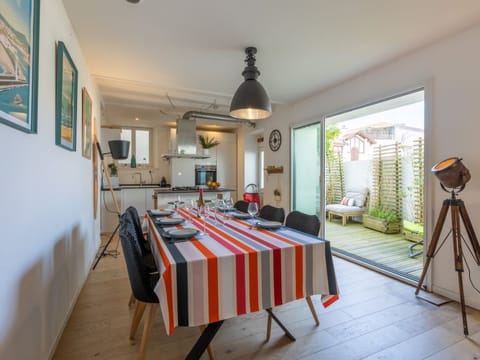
[277, 261]
[299, 290]
[241, 295]
[167, 278]
[212, 278]
[329, 300]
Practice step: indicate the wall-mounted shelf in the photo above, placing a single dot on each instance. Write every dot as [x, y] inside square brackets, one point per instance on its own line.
[274, 169]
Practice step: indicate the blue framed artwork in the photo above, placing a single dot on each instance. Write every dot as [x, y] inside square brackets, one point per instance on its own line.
[65, 99]
[19, 21]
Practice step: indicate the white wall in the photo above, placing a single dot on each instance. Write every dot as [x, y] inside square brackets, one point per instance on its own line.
[450, 71]
[48, 233]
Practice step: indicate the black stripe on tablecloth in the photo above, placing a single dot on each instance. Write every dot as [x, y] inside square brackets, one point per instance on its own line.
[182, 279]
[332, 280]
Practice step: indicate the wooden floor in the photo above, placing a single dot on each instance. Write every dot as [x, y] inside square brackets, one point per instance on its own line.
[390, 250]
[375, 318]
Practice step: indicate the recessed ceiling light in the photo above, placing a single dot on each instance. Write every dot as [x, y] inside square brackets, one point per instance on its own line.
[136, 119]
[134, 1]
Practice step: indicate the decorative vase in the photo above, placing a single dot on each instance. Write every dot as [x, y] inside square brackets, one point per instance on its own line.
[206, 152]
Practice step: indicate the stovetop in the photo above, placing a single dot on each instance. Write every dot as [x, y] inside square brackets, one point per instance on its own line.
[185, 188]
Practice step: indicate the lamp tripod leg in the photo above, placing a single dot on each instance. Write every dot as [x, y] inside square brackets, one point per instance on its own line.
[470, 231]
[102, 253]
[433, 244]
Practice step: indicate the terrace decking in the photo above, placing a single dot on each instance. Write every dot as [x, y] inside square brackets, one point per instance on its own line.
[388, 250]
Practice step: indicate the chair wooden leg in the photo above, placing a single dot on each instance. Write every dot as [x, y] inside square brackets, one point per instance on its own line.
[211, 354]
[131, 301]
[136, 319]
[269, 327]
[312, 309]
[146, 330]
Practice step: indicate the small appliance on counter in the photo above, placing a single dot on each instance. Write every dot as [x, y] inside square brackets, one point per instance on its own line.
[163, 182]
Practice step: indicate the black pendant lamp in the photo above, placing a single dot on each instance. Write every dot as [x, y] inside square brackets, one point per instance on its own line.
[250, 101]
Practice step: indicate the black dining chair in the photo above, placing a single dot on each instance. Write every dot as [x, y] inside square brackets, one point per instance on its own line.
[309, 224]
[272, 213]
[142, 282]
[241, 205]
[131, 216]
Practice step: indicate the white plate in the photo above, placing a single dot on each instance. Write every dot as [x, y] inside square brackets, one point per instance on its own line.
[225, 209]
[169, 221]
[156, 212]
[241, 215]
[182, 233]
[269, 224]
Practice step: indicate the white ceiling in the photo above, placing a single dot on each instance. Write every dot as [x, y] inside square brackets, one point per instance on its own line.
[172, 56]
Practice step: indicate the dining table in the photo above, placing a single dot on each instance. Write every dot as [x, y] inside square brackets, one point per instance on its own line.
[228, 266]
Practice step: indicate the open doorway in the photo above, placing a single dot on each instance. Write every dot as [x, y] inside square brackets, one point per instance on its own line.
[374, 184]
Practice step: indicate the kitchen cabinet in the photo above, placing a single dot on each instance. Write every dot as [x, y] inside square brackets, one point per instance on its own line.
[108, 215]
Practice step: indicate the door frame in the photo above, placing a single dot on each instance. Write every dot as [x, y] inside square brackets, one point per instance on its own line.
[429, 212]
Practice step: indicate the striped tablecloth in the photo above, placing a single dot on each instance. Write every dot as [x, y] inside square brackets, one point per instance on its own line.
[234, 270]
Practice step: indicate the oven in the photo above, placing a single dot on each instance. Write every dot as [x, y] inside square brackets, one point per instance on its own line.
[203, 173]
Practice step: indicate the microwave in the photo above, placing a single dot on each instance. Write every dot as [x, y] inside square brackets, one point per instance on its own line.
[203, 173]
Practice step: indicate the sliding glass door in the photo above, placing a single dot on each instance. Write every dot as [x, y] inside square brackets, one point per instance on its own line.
[307, 165]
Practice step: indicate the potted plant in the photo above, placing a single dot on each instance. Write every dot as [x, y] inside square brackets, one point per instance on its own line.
[277, 195]
[113, 176]
[207, 143]
[383, 220]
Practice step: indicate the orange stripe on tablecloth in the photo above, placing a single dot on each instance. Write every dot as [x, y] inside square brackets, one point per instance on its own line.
[212, 276]
[167, 278]
[252, 265]
[299, 290]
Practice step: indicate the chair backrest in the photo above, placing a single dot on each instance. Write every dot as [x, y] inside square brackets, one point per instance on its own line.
[309, 224]
[272, 213]
[132, 214]
[138, 273]
[241, 205]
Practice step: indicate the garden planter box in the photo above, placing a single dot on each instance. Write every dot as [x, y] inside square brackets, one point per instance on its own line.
[381, 225]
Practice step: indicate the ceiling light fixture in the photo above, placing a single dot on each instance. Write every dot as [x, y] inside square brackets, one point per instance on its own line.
[134, 1]
[250, 101]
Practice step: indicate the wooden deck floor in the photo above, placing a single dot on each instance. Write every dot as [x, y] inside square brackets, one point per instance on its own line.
[389, 250]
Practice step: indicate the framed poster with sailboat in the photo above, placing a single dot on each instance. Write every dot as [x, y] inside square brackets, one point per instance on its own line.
[19, 64]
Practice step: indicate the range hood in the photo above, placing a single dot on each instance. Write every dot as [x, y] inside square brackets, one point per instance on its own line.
[186, 147]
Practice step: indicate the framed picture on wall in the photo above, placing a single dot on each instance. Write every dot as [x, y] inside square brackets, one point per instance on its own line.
[86, 124]
[65, 99]
[19, 64]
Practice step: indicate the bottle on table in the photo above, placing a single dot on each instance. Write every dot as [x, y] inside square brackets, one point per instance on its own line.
[200, 202]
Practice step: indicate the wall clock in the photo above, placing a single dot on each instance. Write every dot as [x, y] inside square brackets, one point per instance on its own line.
[275, 140]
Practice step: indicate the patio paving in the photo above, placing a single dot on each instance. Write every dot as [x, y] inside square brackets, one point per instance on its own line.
[388, 250]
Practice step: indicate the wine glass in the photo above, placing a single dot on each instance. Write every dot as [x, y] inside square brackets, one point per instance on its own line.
[220, 210]
[203, 213]
[253, 210]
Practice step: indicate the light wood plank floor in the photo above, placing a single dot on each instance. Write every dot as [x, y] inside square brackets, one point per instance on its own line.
[376, 318]
[390, 250]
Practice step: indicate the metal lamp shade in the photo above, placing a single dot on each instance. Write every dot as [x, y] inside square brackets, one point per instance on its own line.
[451, 172]
[251, 102]
[119, 149]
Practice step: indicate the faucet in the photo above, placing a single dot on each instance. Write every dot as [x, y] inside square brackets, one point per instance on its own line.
[139, 173]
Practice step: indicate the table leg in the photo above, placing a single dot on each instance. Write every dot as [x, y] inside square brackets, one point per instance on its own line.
[204, 340]
[287, 333]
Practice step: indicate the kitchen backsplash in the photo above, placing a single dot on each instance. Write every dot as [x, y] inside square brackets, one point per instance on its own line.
[128, 175]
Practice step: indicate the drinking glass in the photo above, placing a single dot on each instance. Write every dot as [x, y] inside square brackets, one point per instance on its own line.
[220, 210]
[253, 210]
[203, 213]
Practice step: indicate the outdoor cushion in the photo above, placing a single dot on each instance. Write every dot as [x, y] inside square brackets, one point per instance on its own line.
[359, 194]
[343, 208]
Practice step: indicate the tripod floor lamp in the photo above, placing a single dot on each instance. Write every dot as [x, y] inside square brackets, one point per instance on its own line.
[118, 151]
[453, 176]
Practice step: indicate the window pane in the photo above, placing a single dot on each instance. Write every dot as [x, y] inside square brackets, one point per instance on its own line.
[126, 134]
[142, 146]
